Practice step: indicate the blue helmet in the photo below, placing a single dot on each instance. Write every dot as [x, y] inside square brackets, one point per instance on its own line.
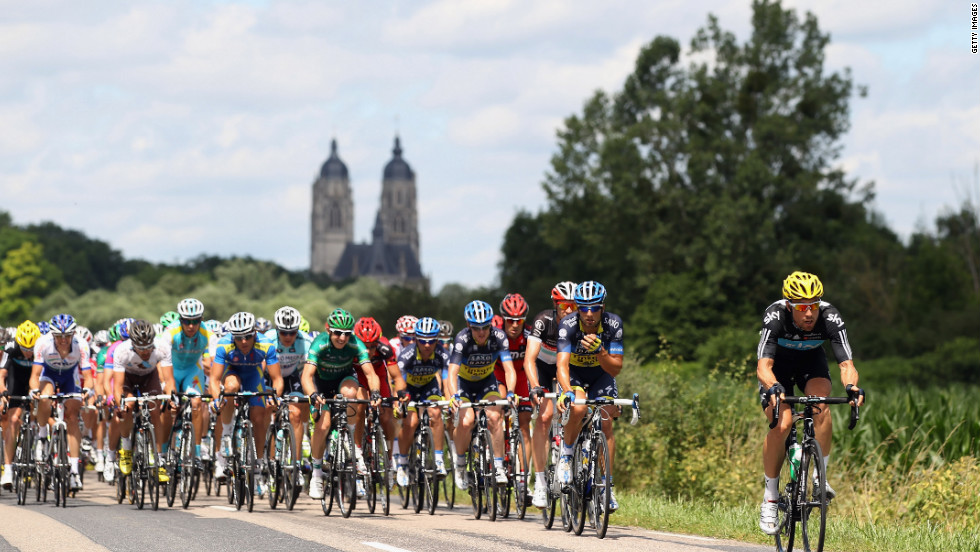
[44, 327]
[427, 328]
[62, 324]
[478, 313]
[124, 327]
[590, 293]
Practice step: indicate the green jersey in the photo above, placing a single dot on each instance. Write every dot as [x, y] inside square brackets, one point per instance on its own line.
[333, 363]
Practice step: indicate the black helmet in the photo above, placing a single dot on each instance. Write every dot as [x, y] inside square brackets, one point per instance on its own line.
[141, 333]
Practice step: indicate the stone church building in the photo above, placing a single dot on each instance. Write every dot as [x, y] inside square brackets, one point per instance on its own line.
[392, 257]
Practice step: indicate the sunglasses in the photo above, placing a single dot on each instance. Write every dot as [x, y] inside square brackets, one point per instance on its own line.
[514, 320]
[244, 337]
[565, 305]
[480, 328]
[64, 336]
[340, 333]
[427, 341]
[370, 344]
[287, 334]
[593, 308]
[803, 307]
[190, 322]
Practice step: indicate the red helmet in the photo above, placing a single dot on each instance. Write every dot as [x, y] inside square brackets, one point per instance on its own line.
[406, 325]
[513, 306]
[497, 321]
[367, 329]
[563, 291]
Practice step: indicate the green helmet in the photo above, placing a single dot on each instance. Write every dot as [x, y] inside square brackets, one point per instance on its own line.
[340, 319]
[114, 333]
[304, 324]
[169, 318]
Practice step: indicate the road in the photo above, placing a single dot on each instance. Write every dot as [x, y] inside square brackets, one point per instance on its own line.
[94, 522]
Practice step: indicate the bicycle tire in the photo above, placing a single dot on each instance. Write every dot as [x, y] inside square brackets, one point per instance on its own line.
[346, 469]
[519, 476]
[64, 470]
[138, 471]
[407, 492]
[601, 475]
[489, 476]
[22, 472]
[431, 474]
[188, 475]
[576, 494]
[381, 469]
[170, 463]
[236, 487]
[449, 482]
[326, 501]
[273, 479]
[153, 468]
[289, 467]
[367, 446]
[250, 462]
[417, 470]
[552, 498]
[786, 524]
[812, 472]
[475, 457]
[504, 491]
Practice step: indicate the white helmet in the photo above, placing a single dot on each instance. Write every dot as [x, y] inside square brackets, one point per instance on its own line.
[84, 333]
[190, 308]
[158, 328]
[241, 323]
[287, 319]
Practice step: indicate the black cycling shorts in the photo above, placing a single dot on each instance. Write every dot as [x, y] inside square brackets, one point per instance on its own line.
[793, 369]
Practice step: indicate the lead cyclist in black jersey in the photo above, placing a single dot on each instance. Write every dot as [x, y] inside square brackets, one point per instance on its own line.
[790, 355]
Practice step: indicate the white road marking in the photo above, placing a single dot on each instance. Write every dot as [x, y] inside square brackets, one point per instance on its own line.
[225, 508]
[681, 536]
[386, 547]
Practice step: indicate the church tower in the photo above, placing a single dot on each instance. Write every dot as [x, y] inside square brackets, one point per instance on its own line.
[398, 214]
[333, 215]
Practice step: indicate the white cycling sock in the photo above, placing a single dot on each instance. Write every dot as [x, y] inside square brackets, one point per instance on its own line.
[539, 479]
[42, 432]
[226, 429]
[825, 459]
[567, 450]
[73, 462]
[772, 489]
[126, 443]
[7, 468]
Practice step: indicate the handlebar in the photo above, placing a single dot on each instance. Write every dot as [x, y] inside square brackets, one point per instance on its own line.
[633, 403]
[812, 400]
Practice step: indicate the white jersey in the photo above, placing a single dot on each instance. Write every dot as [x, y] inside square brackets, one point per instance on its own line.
[291, 358]
[46, 354]
[125, 359]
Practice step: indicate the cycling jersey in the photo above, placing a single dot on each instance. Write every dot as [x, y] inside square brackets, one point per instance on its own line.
[291, 358]
[418, 372]
[779, 331]
[476, 361]
[128, 361]
[544, 329]
[62, 372]
[570, 335]
[186, 352]
[382, 356]
[19, 369]
[333, 363]
[247, 367]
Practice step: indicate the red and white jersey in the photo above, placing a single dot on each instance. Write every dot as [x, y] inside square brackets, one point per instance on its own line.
[46, 354]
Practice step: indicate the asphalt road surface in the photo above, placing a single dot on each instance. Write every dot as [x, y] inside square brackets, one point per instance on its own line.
[94, 521]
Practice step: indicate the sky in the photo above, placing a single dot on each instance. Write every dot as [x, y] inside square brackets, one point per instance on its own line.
[177, 128]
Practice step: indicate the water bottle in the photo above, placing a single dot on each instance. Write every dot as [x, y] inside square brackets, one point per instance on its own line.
[279, 434]
[206, 443]
[333, 442]
[177, 437]
[795, 457]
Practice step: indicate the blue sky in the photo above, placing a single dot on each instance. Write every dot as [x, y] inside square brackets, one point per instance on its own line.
[171, 129]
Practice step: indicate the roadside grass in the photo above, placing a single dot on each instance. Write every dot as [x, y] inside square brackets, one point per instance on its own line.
[844, 533]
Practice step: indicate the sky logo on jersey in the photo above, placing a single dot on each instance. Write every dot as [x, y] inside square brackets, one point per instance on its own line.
[774, 315]
[836, 319]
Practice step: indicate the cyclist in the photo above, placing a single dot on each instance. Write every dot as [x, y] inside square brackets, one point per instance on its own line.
[513, 312]
[421, 363]
[141, 366]
[329, 370]
[540, 359]
[16, 367]
[237, 366]
[292, 347]
[476, 349]
[790, 355]
[405, 328]
[170, 319]
[590, 356]
[446, 337]
[190, 346]
[385, 365]
[60, 363]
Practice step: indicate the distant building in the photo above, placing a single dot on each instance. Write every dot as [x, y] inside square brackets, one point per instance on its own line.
[392, 257]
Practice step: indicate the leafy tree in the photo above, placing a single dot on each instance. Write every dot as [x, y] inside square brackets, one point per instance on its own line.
[24, 279]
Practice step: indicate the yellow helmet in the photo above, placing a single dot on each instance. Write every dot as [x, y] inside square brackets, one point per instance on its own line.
[27, 334]
[802, 285]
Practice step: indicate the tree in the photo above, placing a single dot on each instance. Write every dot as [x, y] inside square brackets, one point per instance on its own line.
[22, 281]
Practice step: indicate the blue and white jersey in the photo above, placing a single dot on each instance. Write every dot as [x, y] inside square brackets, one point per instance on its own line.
[46, 354]
[186, 352]
[290, 358]
[476, 361]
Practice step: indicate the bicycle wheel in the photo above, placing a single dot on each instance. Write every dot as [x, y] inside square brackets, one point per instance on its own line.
[812, 497]
[407, 493]
[22, 471]
[449, 482]
[370, 490]
[250, 466]
[346, 468]
[289, 466]
[62, 467]
[171, 463]
[431, 474]
[573, 511]
[473, 471]
[137, 482]
[489, 475]
[788, 513]
[153, 465]
[380, 470]
[188, 475]
[417, 470]
[551, 459]
[600, 473]
[272, 457]
[504, 491]
[519, 476]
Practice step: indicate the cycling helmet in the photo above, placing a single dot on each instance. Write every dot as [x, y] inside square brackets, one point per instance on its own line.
[304, 325]
[340, 319]
[190, 308]
[287, 319]
[141, 333]
[213, 326]
[84, 333]
[590, 293]
[406, 325]
[241, 323]
[27, 334]
[114, 333]
[427, 328]
[513, 306]
[63, 324]
[262, 324]
[157, 329]
[497, 321]
[367, 330]
[445, 328]
[478, 313]
[101, 338]
[169, 318]
[43, 327]
[802, 285]
[225, 328]
[563, 291]
[124, 326]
